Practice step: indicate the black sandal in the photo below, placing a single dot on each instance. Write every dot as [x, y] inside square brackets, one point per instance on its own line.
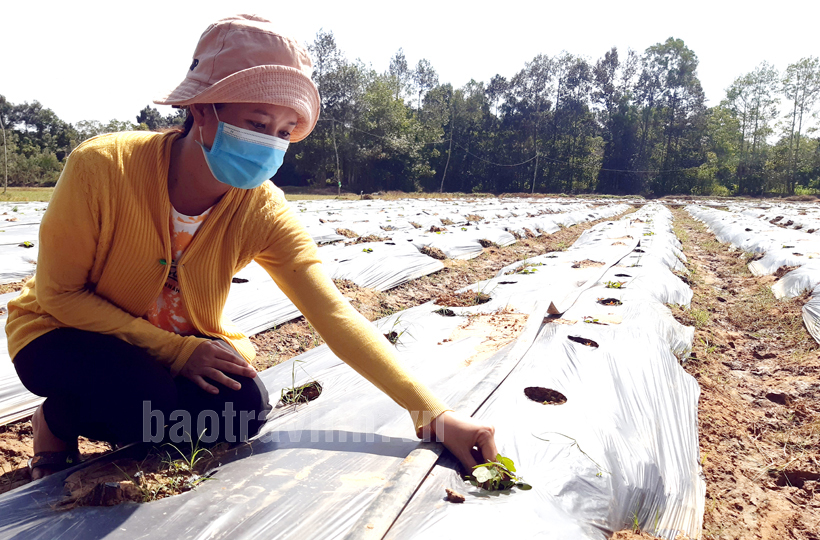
[54, 461]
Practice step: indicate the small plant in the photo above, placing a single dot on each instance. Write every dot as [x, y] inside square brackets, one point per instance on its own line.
[14, 209]
[649, 234]
[299, 394]
[302, 394]
[393, 336]
[590, 320]
[700, 317]
[27, 244]
[636, 525]
[480, 297]
[525, 268]
[614, 284]
[188, 463]
[497, 475]
[367, 250]
[464, 228]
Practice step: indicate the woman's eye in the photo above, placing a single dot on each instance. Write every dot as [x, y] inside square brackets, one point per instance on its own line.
[284, 135]
[258, 125]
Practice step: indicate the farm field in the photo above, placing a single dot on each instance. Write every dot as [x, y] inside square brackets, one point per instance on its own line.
[756, 366]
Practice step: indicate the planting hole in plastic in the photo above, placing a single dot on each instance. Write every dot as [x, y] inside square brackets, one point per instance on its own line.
[445, 312]
[545, 396]
[239, 280]
[302, 394]
[583, 341]
[622, 275]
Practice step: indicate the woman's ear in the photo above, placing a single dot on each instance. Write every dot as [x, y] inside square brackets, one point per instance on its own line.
[200, 112]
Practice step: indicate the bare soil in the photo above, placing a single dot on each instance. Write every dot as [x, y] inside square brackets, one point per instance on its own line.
[13, 287]
[759, 411]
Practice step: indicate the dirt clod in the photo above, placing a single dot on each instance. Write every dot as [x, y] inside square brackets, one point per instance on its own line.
[587, 263]
[454, 496]
[433, 252]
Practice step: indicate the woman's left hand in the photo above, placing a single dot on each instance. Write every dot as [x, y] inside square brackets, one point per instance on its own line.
[460, 434]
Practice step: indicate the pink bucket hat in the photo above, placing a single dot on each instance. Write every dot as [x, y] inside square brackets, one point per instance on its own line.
[240, 59]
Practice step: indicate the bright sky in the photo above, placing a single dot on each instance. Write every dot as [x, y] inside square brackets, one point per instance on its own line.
[95, 60]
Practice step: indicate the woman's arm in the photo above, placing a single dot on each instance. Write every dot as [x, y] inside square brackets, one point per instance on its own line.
[292, 261]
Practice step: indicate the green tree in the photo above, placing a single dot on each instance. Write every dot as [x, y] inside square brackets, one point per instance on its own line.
[612, 95]
[152, 118]
[674, 117]
[801, 85]
[753, 99]
[400, 72]
[425, 78]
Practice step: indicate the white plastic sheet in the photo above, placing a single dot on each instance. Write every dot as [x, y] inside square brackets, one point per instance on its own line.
[780, 246]
[631, 409]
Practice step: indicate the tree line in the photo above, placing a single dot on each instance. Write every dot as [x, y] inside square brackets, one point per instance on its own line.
[624, 124]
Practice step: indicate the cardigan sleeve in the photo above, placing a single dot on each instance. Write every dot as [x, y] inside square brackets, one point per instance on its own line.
[69, 237]
[292, 260]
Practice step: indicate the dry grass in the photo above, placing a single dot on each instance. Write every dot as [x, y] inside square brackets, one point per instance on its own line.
[27, 194]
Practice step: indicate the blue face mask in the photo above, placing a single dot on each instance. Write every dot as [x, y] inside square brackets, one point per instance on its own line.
[242, 158]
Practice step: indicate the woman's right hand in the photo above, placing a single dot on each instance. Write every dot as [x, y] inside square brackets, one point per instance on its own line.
[213, 359]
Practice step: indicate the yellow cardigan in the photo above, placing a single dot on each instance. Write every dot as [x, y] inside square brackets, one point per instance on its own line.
[104, 241]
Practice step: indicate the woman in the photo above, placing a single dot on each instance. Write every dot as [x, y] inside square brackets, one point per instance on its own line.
[144, 231]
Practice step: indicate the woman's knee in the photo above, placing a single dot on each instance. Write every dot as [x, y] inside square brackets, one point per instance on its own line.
[229, 416]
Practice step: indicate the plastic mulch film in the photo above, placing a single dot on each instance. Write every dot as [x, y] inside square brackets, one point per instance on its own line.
[782, 247]
[811, 314]
[802, 279]
[312, 470]
[378, 265]
[327, 461]
[16, 402]
[623, 447]
[255, 303]
[19, 228]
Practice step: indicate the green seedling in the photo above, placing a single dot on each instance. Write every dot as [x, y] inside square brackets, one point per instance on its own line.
[367, 250]
[393, 336]
[27, 244]
[188, 463]
[525, 268]
[648, 234]
[464, 228]
[590, 320]
[14, 209]
[298, 394]
[497, 475]
[480, 297]
[148, 495]
[614, 284]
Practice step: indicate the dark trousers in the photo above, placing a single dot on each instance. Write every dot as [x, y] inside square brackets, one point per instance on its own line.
[103, 388]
